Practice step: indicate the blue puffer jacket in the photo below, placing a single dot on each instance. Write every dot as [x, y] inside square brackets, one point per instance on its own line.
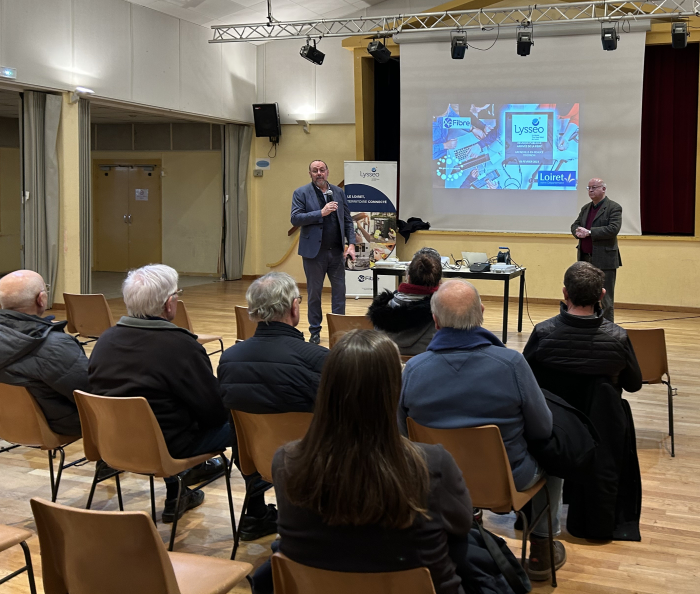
[467, 378]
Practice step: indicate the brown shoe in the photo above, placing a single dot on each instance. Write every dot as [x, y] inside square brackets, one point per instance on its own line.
[539, 567]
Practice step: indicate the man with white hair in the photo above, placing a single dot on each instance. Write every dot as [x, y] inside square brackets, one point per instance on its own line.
[596, 228]
[467, 378]
[38, 354]
[147, 355]
[274, 371]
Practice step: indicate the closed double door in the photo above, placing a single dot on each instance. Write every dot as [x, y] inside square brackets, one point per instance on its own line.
[127, 229]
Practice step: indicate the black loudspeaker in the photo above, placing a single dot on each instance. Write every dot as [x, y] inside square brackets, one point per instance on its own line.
[459, 46]
[524, 43]
[679, 35]
[267, 120]
[480, 267]
[609, 38]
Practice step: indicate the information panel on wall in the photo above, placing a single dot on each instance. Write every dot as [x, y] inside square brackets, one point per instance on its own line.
[370, 189]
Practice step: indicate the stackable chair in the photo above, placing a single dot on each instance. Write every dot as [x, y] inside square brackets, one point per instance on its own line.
[245, 327]
[88, 315]
[9, 537]
[85, 552]
[482, 458]
[290, 577]
[649, 345]
[339, 325]
[125, 434]
[23, 423]
[259, 437]
[182, 319]
[406, 358]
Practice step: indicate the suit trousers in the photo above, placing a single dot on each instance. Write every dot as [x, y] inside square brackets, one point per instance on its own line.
[609, 286]
[327, 262]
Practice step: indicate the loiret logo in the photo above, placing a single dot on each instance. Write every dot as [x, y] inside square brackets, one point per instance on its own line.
[556, 179]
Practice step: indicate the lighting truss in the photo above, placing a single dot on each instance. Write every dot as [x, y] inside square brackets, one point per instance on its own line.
[386, 26]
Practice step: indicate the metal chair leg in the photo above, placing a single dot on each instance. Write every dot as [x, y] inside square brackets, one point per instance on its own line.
[30, 568]
[671, 432]
[177, 513]
[59, 472]
[237, 533]
[51, 478]
[93, 487]
[119, 493]
[153, 500]
[526, 532]
[230, 499]
[551, 540]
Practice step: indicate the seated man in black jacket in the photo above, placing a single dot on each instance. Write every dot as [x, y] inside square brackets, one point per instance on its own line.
[588, 360]
[405, 315]
[275, 371]
[37, 354]
[147, 355]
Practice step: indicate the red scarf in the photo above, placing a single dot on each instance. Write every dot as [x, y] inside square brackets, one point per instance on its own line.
[416, 289]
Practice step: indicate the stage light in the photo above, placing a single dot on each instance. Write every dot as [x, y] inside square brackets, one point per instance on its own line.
[458, 43]
[310, 53]
[679, 35]
[525, 42]
[379, 51]
[609, 37]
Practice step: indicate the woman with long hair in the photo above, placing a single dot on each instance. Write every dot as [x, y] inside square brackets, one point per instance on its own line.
[356, 496]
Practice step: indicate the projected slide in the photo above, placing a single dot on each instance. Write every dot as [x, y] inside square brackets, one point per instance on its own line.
[507, 146]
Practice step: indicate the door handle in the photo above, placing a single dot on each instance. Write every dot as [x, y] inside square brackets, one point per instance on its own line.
[129, 219]
[125, 218]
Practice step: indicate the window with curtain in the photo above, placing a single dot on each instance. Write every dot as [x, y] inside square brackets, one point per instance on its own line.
[669, 139]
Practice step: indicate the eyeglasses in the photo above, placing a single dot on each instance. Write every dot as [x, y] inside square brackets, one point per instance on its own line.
[593, 187]
[176, 293]
[47, 288]
[299, 298]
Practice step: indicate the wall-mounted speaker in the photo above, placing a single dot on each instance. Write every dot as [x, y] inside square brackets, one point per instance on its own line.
[267, 121]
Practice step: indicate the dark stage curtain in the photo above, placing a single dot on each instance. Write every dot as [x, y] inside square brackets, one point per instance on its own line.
[669, 140]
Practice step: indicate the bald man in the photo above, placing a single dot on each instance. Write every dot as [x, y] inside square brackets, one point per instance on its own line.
[596, 228]
[38, 354]
[467, 378]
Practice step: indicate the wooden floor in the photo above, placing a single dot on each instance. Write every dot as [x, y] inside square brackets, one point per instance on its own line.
[666, 561]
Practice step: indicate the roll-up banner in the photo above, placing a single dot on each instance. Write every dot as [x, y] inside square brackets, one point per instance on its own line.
[370, 188]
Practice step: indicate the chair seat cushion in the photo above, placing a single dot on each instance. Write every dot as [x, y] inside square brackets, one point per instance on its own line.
[197, 574]
[11, 536]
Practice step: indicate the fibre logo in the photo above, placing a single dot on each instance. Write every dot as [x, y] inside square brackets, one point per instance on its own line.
[457, 123]
[556, 179]
[362, 278]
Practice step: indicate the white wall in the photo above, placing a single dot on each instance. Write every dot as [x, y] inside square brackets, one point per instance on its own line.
[127, 52]
[302, 87]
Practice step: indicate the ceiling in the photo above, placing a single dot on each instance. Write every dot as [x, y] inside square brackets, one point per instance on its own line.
[228, 12]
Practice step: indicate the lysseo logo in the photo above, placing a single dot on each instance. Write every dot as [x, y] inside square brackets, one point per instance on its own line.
[374, 174]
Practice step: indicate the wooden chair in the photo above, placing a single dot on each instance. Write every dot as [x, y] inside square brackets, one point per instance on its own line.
[245, 327]
[482, 458]
[88, 315]
[22, 422]
[406, 358]
[259, 437]
[84, 552]
[9, 537]
[339, 325]
[125, 434]
[182, 319]
[290, 577]
[650, 347]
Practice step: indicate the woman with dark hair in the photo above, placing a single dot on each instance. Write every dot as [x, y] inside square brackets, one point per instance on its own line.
[405, 314]
[356, 496]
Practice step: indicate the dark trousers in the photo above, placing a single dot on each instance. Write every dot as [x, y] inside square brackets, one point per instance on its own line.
[327, 262]
[609, 286]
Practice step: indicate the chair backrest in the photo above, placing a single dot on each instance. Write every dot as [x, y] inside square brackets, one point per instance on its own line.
[182, 318]
[22, 420]
[88, 315]
[339, 325]
[245, 327]
[649, 345]
[290, 577]
[259, 437]
[406, 358]
[482, 458]
[124, 433]
[85, 551]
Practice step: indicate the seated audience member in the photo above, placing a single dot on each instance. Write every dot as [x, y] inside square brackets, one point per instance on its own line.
[354, 495]
[147, 355]
[405, 314]
[37, 354]
[588, 360]
[274, 371]
[467, 378]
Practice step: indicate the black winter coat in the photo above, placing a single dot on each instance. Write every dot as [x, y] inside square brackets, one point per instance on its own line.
[274, 371]
[409, 325]
[40, 356]
[168, 367]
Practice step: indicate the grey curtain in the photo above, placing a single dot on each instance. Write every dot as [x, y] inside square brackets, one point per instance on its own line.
[40, 121]
[236, 153]
[85, 172]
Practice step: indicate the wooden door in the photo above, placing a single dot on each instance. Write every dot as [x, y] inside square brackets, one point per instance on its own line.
[144, 216]
[110, 218]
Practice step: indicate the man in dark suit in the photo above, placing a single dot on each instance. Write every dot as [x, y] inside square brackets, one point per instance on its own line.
[597, 227]
[322, 212]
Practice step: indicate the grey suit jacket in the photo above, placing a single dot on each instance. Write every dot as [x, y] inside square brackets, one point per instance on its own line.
[604, 229]
[307, 215]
